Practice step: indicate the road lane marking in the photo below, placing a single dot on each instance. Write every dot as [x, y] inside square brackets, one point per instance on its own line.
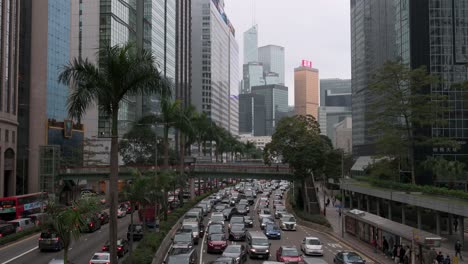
[19, 241]
[20, 255]
[201, 248]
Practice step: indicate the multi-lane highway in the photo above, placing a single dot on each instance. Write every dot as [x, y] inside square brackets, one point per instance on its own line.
[27, 252]
[288, 238]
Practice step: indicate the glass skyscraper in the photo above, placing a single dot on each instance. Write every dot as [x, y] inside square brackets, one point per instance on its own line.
[251, 45]
[272, 58]
[276, 105]
[253, 76]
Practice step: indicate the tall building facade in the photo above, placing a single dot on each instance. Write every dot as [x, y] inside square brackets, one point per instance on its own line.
[251, 45]
[9, 59]
[372, 43]
[216, 78]
[306, 91]
[252, 114]
[335, 105]
[183, 65]
[276, 105]
[252, 76]
[272, 58]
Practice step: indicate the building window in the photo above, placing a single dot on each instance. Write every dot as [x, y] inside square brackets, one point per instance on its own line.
[7, 135]
[13, 136]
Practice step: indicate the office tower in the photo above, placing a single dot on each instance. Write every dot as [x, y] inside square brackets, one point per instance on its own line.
[9, 34]
[272, 58]
[306, 90]
[252, 114]
[253, 76]
[45, 48]
[372, 43]
[234, 77]
[335, 105]
[272, 78]
[251, 45]
[183, 51]
[215, 53]
[276, 105]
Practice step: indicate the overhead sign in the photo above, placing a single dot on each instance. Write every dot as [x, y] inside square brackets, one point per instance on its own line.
[306, 63]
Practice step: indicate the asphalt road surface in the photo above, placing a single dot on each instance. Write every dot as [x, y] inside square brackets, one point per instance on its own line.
[81, 251]
[288, 238]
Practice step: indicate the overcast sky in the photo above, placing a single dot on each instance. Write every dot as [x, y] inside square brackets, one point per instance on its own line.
[315, 30]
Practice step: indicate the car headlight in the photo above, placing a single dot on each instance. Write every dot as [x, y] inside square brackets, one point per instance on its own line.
[267, 250]
[267, 233]
[252, 249]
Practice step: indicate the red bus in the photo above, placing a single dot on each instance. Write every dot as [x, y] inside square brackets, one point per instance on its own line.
[20, 206]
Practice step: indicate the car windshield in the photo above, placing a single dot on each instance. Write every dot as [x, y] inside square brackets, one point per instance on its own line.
[178, 259]
[351, 256]
[120, 242]
[194, 228]
[290, 252]
[237, 228]
[48, 235]
[241, 207]
[288, 219]
[280, 208]
[217, 237]
[266, 212]
[267, 220]
[233, 249]
[260, 241]
[314, 242]
[216, 218]
[101, 257]
[185, 237]
[215, 229]
[178, 251]
[272, 227]
[247, 218]
[237, 220]
[220, 207]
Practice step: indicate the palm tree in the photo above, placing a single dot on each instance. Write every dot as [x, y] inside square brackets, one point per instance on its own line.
[67, 221]
[122, 71]
[185, 126]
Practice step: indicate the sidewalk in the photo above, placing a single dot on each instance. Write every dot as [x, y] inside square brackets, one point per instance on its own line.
[447, 247]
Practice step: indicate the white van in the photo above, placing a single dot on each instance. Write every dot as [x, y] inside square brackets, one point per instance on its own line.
[22, 224]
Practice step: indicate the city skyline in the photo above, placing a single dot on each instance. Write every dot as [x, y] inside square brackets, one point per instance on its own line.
[330, 54]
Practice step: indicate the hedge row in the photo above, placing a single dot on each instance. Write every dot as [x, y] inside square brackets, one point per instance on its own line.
[150, 243]
[408, 187]
[314, 218]
[10, 238]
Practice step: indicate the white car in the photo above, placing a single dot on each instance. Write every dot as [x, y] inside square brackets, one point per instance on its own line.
[288, 222]
[216, 217]
[312, 246]
[121, 212]
[99, 258]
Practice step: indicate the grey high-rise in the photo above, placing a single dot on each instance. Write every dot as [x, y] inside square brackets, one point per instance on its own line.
[272, 58]
[372, 43]
[276, 105]
[215, 76]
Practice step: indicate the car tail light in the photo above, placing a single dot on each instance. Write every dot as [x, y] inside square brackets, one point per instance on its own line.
[119, 248]
[91, 224]
[1, 235]
[56, 239]
[103, 248]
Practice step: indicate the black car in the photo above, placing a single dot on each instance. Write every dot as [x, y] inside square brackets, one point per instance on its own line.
[251, 200]
[122, 247]
[104, 217]
[224, 260]
[189, 257]
[50, 240]
[237, 252]
[229, 212]
[242, 209]
[7, 229]
[93, 223]
[345, 257]
[137, 232]
[248, 221]
[237, 232]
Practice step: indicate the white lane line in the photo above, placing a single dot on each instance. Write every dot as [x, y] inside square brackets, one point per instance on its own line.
[19, 256]
[201, 248]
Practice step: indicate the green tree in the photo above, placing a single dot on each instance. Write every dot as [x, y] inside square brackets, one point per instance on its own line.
[446, 170]
[402, 104]
[138, 146]
[68, 221]
[122, 71]
[297, 141]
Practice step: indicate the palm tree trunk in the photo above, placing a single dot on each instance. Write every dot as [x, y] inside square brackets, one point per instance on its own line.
[166, 147]
[182, 152]
[113, 181]
[65, 254]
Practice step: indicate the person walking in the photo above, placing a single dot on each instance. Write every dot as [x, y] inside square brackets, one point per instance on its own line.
[447, 260]
[385, 246]
[458, 248]
[440, 258]
[407, 256]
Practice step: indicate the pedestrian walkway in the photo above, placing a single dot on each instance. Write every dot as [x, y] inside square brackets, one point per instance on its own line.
[333, 216]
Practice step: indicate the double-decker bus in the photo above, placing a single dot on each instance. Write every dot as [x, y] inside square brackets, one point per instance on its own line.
[20, 206]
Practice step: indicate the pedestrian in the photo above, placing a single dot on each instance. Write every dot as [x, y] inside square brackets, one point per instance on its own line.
[458, 248]
[374, 244]
[402, 254]
[407, 256]
[440, 257]
[385, 245]
[339, 211]
[447, 260]
[333, 201]
[328, 201]
[394, 251]
[455, 224]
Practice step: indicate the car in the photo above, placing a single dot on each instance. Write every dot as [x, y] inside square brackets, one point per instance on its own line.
[236, 220]
[251, 200]
[237, 232]
[100, 258]
[345, 257]
[183, 257]
[183, 240]
[93, 223]
[242, 209]
[266, 221]
[279, 213]
[7, 229]
[248, 221]
[264, 213]
[229, 212]
[262, 207]
[122, 247]
[225, 201]
[312, 246]
[277, 202]
[103, 217]
[237, 252]
[223, 260]
[272, 231]
[219, 208]
[122, 211]
[288, 222]
[216, 217]
[216, 228]
[22, 224]
[137, 230]
[258, 245]
[289, 254]
[195, 229]
[50, 240]
[216, 243]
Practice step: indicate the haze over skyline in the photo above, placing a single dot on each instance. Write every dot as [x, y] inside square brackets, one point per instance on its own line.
[319, 31]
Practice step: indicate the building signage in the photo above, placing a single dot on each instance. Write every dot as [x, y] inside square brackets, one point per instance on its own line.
[30, 206]
[306, 63]
[7, 210]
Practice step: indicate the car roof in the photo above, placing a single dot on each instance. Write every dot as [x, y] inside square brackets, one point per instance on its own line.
[316, 238]
[288, 247]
